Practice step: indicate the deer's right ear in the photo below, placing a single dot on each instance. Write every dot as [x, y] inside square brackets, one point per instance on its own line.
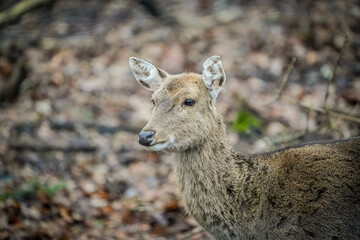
[147, 74]
[213, 75]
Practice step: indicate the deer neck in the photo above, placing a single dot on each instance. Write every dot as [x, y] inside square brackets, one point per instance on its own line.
[210, 158]
[206, 176]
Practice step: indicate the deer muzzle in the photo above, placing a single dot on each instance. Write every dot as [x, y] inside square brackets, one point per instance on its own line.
[146, 137]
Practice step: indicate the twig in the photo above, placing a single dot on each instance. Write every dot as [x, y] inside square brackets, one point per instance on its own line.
[285, 78]
[297, 135]
[257, 136]
[327, 93]
[323, 111]
[192, 233]
[326, 110]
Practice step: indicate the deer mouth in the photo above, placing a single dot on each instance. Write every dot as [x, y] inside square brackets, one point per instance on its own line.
[160, 146]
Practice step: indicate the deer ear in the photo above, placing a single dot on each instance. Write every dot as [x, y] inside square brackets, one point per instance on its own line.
[147, 74]
[213, 75]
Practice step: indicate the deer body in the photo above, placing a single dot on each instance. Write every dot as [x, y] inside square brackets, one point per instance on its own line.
[304, 192]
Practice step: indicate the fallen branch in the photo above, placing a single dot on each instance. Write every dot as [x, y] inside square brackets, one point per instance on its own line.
[19, 9]
[73, 126]
[9, 90]
[36, 147]
[152, 7]
[102, 129]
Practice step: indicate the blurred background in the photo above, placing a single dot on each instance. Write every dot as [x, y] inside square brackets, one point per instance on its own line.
[70, 108]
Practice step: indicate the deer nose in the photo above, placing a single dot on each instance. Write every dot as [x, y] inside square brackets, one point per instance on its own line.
[146, 138]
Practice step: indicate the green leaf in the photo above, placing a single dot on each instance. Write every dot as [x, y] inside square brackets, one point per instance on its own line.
[100, 223]
[28, 191]
[31, 189]
[52, 190]
[245, 121]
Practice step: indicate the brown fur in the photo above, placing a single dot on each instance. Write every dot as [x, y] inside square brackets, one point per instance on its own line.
[304, 192]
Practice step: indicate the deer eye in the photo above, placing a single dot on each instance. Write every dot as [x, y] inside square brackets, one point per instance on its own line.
[189, 102]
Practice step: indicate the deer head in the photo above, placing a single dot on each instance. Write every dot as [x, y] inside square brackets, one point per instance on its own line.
[184, 113]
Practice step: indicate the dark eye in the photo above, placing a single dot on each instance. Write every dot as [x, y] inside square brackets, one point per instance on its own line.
[153, 102]
[189, 102]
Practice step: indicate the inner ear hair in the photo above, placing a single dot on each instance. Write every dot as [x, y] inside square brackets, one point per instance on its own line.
[213, 73]
[146, 73]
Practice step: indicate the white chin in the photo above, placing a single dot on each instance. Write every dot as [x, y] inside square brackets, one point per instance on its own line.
[160, 146]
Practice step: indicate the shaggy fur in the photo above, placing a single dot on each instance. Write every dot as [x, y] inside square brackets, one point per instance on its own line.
[303, 192]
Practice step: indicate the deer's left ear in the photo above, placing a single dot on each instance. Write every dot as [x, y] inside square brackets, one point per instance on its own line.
[213, 75]
[147, 74]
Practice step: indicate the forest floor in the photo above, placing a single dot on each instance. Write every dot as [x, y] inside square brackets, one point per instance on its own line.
[70, 164]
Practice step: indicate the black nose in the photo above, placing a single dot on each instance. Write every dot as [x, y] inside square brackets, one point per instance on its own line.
[145, 138]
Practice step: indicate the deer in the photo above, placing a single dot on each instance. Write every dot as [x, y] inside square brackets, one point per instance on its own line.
[309, 191]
